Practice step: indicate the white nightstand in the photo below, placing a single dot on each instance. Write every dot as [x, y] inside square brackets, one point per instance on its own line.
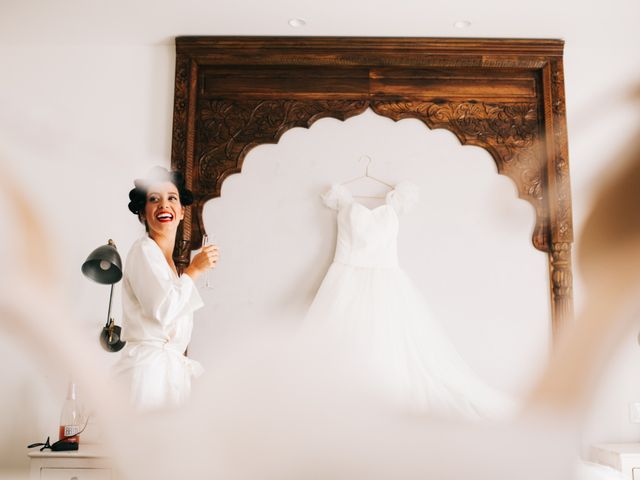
[89, 462]
[624, 457]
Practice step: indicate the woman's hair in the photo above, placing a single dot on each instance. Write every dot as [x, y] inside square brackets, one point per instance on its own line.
[138, 195]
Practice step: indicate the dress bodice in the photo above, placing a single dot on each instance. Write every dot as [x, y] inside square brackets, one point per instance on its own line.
[367, 237]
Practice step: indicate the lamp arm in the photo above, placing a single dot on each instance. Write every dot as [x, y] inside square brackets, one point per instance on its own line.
[109, 311]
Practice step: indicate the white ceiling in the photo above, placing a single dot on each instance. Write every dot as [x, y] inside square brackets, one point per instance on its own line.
[152, 22]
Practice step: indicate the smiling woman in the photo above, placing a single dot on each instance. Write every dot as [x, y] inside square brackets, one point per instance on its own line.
[158, 303]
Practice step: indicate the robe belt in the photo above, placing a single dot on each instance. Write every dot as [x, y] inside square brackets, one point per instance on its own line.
[194, 367]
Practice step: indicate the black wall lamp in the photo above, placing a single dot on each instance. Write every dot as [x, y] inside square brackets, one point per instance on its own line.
[104, 266]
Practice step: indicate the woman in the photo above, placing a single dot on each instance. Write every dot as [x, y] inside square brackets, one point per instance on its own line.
[158, 303]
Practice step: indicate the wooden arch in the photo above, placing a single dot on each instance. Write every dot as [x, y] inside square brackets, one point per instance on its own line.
[504, 95]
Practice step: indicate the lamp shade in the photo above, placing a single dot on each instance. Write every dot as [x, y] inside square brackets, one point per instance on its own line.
[104, 265]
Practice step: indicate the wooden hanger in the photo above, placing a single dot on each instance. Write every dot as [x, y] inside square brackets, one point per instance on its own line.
[367, 158]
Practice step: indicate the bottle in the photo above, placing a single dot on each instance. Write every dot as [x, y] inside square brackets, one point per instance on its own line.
[70, 417]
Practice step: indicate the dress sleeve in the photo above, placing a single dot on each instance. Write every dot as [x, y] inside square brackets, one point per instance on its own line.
[404, 197]
[337, 197]
[162, 296]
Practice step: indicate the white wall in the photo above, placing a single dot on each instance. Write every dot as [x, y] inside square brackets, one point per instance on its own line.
[467, 244]
[599, 84]
[104, 113]
[62, 109]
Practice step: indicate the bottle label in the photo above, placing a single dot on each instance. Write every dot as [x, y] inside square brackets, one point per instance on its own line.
[71, 430]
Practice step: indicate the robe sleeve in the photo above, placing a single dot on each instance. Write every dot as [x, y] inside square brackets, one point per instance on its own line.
[162, 296]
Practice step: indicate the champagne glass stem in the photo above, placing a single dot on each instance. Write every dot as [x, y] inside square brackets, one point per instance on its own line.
[207, 283]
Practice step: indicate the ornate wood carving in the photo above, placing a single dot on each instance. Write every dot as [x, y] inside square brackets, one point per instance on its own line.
[561, 283]
[227, 130]
[506, 96]
[230, 129]
[509, 132]
[180, 107]
[558, 193]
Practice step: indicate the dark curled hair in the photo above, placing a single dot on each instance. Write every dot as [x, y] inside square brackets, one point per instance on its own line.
[138, 195]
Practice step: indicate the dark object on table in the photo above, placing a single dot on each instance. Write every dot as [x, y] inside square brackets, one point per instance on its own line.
[59, 446]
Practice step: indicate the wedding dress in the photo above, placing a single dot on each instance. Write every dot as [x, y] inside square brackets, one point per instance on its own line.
[369, 306]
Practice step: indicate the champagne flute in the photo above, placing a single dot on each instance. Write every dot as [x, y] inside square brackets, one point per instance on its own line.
[207, 282]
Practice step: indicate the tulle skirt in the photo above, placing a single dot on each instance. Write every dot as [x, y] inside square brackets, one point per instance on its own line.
[379, 317]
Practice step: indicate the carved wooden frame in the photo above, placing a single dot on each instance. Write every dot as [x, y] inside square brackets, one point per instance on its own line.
[504, 95]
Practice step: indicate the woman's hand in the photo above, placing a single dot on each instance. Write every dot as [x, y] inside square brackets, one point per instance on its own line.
[204, 260]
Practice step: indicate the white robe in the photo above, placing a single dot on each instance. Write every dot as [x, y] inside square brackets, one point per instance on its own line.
[157, 322]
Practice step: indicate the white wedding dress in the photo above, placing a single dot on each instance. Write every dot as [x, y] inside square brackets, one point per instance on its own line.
[369, 306]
